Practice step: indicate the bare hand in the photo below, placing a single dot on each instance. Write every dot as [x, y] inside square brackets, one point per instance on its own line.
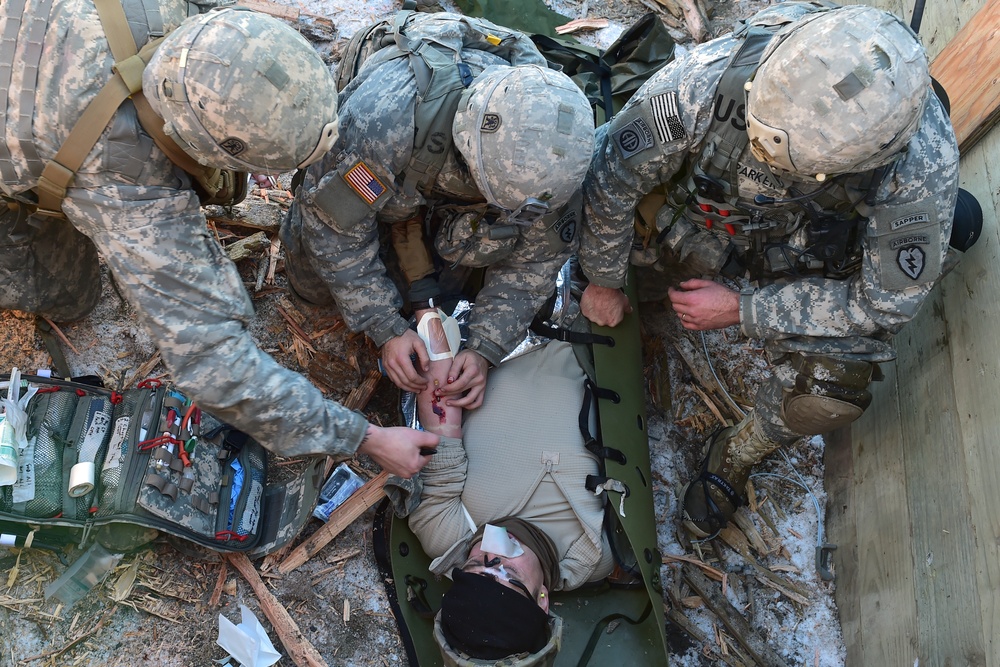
[264, 181]
[467, 374]
[703, 305]
[604, 306]
[399, 366]
[400, 450]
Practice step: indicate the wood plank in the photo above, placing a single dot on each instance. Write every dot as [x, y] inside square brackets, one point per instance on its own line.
[967, 67]
[842, 529]
[888, 628]
[943, 540]
[973, 314]
[359, 503]
[300, 650]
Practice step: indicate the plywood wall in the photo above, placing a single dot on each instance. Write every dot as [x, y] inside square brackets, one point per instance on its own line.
[914, 486]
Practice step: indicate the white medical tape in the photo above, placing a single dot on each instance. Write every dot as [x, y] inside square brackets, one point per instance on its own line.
[451, 332]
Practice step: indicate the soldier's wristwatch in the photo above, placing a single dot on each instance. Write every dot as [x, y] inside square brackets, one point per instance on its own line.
[422, 305]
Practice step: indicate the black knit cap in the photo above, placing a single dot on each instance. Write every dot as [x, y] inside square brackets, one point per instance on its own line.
[486, 620]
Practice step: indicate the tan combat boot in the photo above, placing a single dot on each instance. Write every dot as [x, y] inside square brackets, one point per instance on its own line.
[710, 501]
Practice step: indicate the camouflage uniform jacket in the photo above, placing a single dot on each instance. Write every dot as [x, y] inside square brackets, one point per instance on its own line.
[522, 456]
[143, 216]
[377, 129]
[902, 228]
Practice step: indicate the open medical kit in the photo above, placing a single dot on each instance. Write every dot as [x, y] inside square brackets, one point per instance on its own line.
[95, 464]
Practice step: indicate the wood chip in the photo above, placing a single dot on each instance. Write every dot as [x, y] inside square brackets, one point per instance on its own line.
[272, 254]
[220, 582]
[750, 530]
[347, 611]
[123, 585]
[692, 602]
[272, 9]
[333, 372]
[248, 247]
[672, 7]
[58, 332]
[582, 24]
[792, 595]
[696, 19]
[144, 371]
[711, 405]
[712, 572]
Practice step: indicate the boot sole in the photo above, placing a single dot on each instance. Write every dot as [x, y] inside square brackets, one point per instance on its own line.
[688, 522]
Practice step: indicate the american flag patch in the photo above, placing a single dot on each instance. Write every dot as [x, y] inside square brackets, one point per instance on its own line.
[666, 117]
[364, 182]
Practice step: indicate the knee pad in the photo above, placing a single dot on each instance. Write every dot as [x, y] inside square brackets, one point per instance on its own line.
[828, 393]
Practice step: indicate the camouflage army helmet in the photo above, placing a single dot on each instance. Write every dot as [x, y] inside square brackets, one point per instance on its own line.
[543, 657]
[836, 92]
[241, 90]
[526, 134]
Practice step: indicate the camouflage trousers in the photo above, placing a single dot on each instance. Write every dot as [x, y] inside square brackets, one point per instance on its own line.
[47, 267]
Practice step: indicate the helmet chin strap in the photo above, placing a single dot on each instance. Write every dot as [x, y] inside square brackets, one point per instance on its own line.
[326, 140]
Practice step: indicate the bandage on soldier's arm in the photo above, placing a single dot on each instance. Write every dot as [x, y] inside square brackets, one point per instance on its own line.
[440, 334]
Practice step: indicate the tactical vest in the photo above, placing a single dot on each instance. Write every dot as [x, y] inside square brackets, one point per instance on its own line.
[213, 186]
[440, 74]
[706, 192]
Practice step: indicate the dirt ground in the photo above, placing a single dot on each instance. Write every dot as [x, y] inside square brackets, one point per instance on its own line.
[166, 617]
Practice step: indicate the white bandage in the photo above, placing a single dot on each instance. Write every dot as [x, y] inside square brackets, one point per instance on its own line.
[497, 541]
[451, 333]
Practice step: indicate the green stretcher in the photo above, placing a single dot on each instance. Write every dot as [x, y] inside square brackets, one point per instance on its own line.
[603, 624]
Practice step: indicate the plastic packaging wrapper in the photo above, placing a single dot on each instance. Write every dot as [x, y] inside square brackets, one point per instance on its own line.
[342, 483]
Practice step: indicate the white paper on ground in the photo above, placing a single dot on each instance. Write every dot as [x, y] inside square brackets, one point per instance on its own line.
[247, 643]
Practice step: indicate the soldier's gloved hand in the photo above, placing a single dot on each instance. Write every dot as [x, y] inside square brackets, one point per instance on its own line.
[467, 374]
[398, 365]
[703, 304]
[400, 450]
[604, 306]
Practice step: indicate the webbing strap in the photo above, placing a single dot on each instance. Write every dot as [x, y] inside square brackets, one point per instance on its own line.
[441, 77]
[115, 25]
[29, 79]
[126, 82]
[129, 64]
[14, 10]
[59, 173]
[542, 328]
[729, 139]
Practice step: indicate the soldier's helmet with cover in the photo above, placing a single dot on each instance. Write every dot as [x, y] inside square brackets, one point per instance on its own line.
[527, 134]
[241, 90]
[837, 91]
[483, 622]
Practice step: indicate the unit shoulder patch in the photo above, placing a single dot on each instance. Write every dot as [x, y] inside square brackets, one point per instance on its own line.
[908, 245]
[912, 219]
[911, 260]
[633, 138]
[565, 226]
